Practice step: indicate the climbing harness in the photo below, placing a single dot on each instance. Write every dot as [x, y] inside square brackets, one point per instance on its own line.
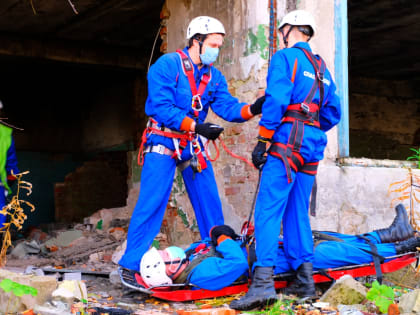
[301, 114]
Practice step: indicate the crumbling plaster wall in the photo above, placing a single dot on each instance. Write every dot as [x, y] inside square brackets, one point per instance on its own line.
[350, 199]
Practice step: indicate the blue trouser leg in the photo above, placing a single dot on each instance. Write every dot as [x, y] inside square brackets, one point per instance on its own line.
[2, 204]
[204, 197]
[269, 209]
[347, 253]
[353, 239]
[353, 251]
[155, 188]
[297, 233]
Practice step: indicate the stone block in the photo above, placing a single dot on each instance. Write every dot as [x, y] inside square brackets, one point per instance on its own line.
[346, 291]
[410, 302]
[70, 290]
[43, 284]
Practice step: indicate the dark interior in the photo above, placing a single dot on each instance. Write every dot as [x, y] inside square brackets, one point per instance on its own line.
[384, 75]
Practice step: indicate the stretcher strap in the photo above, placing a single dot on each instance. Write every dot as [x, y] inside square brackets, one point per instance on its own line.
[377, 259]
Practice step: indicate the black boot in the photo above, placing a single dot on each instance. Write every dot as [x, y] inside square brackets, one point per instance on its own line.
[399, 230]
[409, 245]
[304, 285]
[260, 293]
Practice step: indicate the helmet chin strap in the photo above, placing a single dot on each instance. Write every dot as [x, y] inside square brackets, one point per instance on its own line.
[286, 37]
[200, 42]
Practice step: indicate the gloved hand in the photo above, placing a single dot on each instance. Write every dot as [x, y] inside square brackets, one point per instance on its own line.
[256, 108]
[220, 230]
[209, 130]
[258, 155]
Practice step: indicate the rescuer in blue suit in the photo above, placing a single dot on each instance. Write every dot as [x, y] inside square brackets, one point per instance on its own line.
[300, 106]
[8, 162]
[214, 270]
[182, 87]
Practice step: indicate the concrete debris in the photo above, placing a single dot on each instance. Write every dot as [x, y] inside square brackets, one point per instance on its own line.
[53, 308]
[69, 291]
[43, 284]
[64, 239]
[76, 276]
[410, 302]
[25, 248]
[119, 252]
[31, 270]
[114, 278]
[350, 309]
[346, 291]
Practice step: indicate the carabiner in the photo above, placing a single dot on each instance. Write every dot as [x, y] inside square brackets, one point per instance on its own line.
[196, 99]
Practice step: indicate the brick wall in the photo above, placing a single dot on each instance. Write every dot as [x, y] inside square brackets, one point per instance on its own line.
[99, 183]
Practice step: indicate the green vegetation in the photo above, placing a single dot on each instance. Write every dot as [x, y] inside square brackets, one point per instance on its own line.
[382, 295]
[415, 156]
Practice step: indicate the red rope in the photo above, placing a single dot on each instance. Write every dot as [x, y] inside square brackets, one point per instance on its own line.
[235, 155]
[140, 157]
[207, 152]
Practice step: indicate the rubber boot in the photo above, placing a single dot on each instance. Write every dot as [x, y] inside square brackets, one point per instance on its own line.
[260, 293]
[399, 230]
[406, 246]
[304, 285]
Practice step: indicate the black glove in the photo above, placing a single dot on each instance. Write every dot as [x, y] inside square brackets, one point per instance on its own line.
[209, 130]
[258, 155]
[256, 108]
[220, 230]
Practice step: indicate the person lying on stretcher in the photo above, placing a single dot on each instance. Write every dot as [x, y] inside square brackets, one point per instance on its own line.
[218, 262]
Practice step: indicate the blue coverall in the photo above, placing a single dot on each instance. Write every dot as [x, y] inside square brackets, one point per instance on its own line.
[215, 273]
[8, 163]
[277, 198]
[168, 103]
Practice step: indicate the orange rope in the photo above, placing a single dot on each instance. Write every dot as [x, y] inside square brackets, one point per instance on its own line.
[207, 152]
[140, 157]
[226, 149]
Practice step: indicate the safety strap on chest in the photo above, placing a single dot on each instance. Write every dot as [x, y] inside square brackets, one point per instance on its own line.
[184, 276]
[308, 111]
[188, 68]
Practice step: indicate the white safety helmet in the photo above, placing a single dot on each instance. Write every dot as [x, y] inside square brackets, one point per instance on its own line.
[153, 269]
[299, 18]
[204, 25]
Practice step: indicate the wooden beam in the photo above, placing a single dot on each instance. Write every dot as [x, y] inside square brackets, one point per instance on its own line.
[73, 51]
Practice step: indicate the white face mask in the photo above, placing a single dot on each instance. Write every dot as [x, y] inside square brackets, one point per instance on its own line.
[210, 55]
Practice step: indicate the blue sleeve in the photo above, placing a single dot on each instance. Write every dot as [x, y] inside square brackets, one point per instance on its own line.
[215, 273]
[11, 162]
[278, 93]
[224, 104]
[161, 99]
[330, 113]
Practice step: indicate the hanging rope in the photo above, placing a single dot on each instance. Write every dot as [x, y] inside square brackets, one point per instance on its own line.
[227, 150]
[273, 29]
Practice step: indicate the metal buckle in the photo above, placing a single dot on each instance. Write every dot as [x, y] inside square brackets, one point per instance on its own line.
[320, 76]
[305, 108]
